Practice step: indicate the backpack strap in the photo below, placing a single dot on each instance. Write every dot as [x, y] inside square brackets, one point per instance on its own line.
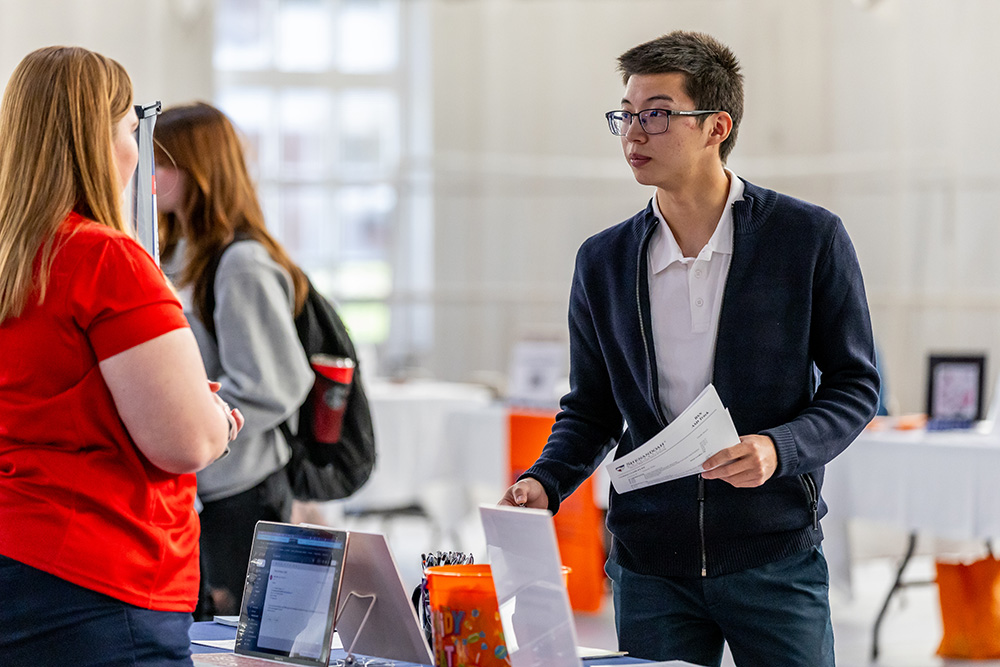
[210, 272]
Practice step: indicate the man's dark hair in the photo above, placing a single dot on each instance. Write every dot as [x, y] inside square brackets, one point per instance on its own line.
[712, 73]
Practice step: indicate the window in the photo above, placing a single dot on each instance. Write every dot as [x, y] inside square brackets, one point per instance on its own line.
[318, 88]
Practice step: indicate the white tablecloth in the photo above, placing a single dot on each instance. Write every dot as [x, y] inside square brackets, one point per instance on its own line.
[944, 483]
[426, 448]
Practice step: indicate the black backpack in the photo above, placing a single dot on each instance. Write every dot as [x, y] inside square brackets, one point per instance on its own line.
[317, 470]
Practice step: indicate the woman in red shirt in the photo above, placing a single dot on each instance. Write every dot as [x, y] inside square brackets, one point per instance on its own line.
[105, 408]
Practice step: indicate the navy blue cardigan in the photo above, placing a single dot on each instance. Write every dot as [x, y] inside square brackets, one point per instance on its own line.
[794, 298]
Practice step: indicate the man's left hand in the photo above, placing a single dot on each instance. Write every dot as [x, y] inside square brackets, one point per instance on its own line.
[746, 465]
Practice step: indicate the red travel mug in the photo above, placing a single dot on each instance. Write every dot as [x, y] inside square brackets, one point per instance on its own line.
[329, 395]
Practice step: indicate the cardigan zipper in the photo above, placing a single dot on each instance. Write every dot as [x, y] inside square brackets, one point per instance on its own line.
[812, 495]
[650, 369]
[650, 366]
[659, 411]
[701, 525]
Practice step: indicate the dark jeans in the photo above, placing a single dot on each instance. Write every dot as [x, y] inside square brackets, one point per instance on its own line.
[227, 534]
[45, 620]
[774, 615]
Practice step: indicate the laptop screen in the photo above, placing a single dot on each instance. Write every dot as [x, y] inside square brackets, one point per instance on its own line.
[290, 595]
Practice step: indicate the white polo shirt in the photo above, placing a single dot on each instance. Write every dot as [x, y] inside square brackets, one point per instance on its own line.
[685, 296]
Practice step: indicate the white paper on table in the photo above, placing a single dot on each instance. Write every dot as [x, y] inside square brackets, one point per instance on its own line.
[227, 644]
[230, 644]
[679, 450]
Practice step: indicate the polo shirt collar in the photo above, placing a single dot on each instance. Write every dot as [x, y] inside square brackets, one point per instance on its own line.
[664, 249]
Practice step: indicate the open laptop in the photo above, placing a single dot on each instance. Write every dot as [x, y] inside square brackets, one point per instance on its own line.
[376, 617]
[289, 599]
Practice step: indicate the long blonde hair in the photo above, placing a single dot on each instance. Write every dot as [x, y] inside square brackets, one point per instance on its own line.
[221, 202]
[56, 131]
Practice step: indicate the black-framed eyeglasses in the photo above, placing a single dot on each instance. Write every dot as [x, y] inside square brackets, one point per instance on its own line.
[653, 121]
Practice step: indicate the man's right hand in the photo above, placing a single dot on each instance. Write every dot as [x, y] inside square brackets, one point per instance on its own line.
[526, 493]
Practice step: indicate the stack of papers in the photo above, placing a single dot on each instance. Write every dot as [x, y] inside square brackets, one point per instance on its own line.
[701, 431]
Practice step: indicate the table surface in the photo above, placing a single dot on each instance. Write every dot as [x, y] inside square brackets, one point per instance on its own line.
[414, 435]
[939, 483]
[214, 631]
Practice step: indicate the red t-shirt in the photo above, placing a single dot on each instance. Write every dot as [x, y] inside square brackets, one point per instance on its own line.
[77, 498]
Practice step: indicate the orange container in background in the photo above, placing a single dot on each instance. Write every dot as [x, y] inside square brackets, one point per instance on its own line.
[466, 620]
[579, 527]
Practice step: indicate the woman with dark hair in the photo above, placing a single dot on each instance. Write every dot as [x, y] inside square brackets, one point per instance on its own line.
[243, 292]
[105, 407]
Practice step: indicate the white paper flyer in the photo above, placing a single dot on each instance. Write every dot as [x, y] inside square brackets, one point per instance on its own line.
[679, 450]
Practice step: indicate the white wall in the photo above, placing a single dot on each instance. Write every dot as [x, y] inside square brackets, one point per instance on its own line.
[526, 168]
[879, 110]
[166, 45]
[924, 204]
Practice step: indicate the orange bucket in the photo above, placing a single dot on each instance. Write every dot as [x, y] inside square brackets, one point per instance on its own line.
[466, 619]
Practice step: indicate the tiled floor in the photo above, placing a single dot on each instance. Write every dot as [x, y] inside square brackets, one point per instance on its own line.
[909, 636]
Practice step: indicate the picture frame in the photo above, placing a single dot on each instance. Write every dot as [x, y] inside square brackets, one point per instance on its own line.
[537, 366]
[955, 386]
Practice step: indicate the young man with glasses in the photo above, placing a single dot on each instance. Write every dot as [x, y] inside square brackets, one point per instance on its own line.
[717, 281]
